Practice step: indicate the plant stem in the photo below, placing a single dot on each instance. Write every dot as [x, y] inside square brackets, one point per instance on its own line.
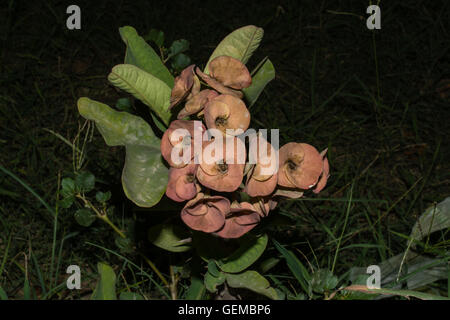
[101, 215]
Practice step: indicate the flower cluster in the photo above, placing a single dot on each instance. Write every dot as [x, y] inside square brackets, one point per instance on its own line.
[230, 195]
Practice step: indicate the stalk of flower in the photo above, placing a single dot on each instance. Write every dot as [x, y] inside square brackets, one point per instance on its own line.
[300, 166]
[222, 171]
[205, 213]
[182, 183]
[177, 142]
[242, 218]
[227, 112]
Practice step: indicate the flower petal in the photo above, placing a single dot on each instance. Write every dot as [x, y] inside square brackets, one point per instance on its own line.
[230, 72]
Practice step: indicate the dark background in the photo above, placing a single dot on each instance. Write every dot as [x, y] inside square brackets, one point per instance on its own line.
[378, 99]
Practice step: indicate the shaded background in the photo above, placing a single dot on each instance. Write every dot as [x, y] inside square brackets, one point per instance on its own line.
[377, 99]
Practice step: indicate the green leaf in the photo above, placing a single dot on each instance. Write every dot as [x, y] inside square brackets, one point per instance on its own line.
[212, 268]
[103, 196]
[263, 76]
[168, 237]
[85, 217]
[177, 47]
[3, 295]
[323, 280]
[118, 128]
[130, 296]
[211, 282]
[296, 267]
[240, 44]
[26, 289]
[68, 186]
[144, 176]
[67, 201]
[196, 289]
[250, 250]
[141, 54]
[106, 285]
[67, 193]
[253, 281]
[268, 264]
[142, 85]
[180, 61]
[156, 36]
[85, 181]
[124, 104]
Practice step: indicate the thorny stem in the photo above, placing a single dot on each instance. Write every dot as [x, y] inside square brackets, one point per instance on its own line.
[101, 215]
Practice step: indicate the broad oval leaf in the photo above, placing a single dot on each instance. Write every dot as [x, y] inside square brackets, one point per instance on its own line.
[85, 181]
[144, 176]
[240, 44]
[168, 237]
[106, 285]
[250, 250]
[142, 85]
[253, 281]
[142, 55]
[263, 76]
[85, 217]
[118, 128]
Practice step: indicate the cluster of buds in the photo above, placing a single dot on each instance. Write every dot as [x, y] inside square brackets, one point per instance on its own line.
[228, 191]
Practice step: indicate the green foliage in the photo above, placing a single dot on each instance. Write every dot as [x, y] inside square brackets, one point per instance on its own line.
[196, 290]
[250, 250]
[67, 193]
[253, 281]
[264, 74]
[155, 36]
[144, 177]
[168, 237]
[296, 267]
[180, 61]
[85, 217]
[124, 104]
[103, 196]
[85, 181]
[213, 281]
[142, 85]
[323, 280]
[3, 295]
[177, 47]
[106, 285]
[141, 55]
[130, 296]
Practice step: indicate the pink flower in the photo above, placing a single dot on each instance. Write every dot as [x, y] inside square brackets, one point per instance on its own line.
[205, 213]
